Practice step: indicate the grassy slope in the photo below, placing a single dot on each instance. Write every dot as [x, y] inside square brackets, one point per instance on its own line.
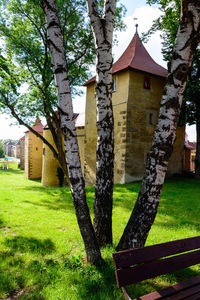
[41, 251]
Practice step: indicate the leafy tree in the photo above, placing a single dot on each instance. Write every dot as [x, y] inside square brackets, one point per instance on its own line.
[144, 212]
[26, 47]
[2, 154]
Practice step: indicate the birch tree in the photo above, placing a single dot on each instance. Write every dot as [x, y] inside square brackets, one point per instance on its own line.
[57, 52]
[144, 212]
[102, 27]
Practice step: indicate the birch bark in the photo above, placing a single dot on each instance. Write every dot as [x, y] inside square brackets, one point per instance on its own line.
[102, 28]
[144, 212]
[56, 47]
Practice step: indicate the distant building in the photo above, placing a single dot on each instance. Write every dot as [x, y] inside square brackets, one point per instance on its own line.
[9, 148]
[33, 152]
[16, 150]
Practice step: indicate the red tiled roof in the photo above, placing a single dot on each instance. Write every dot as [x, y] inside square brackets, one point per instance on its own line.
[79, 119]
[136, 57]
[190, 145]
[37, 126]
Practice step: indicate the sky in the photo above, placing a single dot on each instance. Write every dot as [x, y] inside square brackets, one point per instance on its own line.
[136, 9]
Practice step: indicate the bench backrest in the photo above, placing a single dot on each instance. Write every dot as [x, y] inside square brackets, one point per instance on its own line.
[139, 264]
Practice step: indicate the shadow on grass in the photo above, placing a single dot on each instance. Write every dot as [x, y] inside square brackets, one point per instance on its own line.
[10, 171]
[33, 245]
[15, 272]
[63, 278]
[57, 198]
[69, 278]
[179, 205]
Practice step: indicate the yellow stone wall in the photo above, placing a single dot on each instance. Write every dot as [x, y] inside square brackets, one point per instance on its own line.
[120, 98]
[33, 156]
[135, 116]
[22, 154]
[49, 162]
[26, 157]
[80, 131]
[141, 103]
[176, 161]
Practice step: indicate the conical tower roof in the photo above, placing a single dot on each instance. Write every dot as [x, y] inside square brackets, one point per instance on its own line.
[136, 57]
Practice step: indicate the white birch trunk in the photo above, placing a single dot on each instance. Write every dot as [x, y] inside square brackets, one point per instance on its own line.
[56, 47]
[144, 212]
[102, 28]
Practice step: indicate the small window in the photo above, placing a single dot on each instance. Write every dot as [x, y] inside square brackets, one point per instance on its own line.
[36, 148]
[151, 117]
[114, 85]
[147, 83]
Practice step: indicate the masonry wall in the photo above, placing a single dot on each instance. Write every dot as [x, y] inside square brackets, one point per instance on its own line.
[49, 162]
[33, 156]
[142, 113]
[135, 116]
[80, 131]
[189, 163]
[176, 161]
[22, 154]
[26, 156]
[120, 98]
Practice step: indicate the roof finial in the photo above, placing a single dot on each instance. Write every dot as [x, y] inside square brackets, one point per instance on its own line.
[136, 25]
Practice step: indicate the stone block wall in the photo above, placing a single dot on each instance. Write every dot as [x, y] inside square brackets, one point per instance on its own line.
[33, 156]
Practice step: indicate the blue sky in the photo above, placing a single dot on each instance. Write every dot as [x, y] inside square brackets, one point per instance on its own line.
[131, 5]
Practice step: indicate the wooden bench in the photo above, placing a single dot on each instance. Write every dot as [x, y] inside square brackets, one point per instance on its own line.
[135, 265]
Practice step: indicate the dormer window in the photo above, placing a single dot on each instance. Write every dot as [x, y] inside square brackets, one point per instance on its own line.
[147, 83]
[114, 85]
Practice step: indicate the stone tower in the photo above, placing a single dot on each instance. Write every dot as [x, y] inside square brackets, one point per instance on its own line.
[33, 152]
[138, 83]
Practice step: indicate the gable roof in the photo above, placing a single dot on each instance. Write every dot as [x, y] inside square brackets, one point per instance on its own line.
[136, 57]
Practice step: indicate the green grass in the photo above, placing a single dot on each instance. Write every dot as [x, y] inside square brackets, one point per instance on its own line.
[41, 251]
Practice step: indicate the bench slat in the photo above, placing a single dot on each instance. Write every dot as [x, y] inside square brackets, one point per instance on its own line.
[185, 293]
[172, 289]
[152, 269]
[127, 258]
[194, 297]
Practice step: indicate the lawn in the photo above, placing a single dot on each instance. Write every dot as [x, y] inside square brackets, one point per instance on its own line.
[41, 251]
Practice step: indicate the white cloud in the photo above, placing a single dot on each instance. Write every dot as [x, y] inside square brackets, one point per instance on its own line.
[191, 131]
[8, 131]
[145, 16]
